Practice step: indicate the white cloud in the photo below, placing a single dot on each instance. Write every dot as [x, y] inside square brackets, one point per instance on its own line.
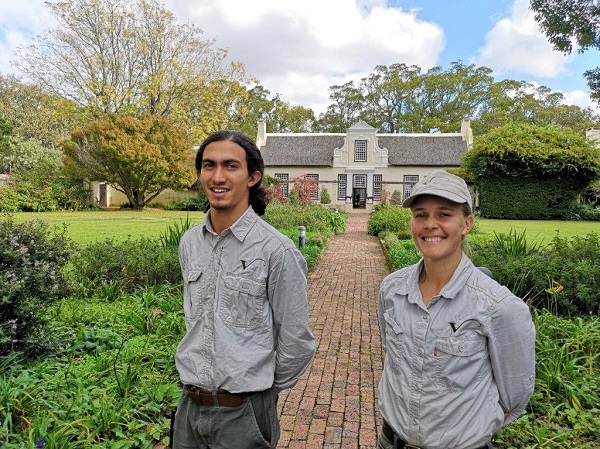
[581, 99]
[300, 49]
[295, 49]
[517, 44]
[20, 21]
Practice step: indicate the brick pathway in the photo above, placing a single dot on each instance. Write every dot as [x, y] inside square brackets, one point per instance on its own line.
[335, 403]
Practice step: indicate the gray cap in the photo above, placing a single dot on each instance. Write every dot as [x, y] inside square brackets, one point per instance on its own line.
[444, 184]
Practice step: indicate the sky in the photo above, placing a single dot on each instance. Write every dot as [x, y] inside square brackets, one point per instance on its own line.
[300, 48]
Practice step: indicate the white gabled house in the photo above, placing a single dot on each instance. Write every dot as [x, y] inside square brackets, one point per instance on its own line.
[356, 167]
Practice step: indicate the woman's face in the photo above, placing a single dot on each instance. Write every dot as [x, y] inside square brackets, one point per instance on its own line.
[438, 226]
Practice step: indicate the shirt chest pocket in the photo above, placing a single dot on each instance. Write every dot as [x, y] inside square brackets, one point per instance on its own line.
[242, 301]
[460, 361]
[194, 303]
[394, 339]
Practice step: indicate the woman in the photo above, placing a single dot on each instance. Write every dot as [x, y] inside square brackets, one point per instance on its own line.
[460, 348]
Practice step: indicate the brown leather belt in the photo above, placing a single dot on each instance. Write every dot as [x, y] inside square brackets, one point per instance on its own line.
[219, 398]
[399, 443]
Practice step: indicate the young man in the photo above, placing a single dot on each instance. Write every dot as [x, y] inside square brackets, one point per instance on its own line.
[245, 304]
[460, 348]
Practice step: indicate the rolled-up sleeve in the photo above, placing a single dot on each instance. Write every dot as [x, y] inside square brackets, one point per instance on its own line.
[512, 352]
[288, 294]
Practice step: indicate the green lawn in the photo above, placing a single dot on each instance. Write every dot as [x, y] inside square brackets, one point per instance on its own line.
[86, 227]
[92, 226]
[540, 231]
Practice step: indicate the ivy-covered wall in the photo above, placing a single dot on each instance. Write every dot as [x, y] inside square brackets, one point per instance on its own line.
[527, 199]
[531, 172]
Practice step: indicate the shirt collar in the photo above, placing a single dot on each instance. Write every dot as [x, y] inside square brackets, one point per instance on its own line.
[458, 280]
[450, 290]
[239, 229]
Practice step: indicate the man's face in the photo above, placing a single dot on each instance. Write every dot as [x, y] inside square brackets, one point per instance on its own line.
[225, 179]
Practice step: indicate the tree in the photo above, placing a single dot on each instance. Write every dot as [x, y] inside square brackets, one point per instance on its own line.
[304, 190]
[17, 153]
[389, 93]
[446, 97]
[37, 115]
[139, 157]
[348, 103]
[569, 22]
[524, 171]
[280, 116]
[117, 56]
[399, 98]
[522, 102]
[6, 127]
[325, 197]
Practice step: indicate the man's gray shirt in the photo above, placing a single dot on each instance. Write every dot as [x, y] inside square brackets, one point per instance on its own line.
[246, 309]
[452, 369]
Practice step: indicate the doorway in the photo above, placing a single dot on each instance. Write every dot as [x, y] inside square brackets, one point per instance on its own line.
[359, 198]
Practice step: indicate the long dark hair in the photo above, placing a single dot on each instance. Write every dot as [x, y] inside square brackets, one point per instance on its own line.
[258, 194]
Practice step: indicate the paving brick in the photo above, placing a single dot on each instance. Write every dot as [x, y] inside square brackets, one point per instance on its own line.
[334, 405]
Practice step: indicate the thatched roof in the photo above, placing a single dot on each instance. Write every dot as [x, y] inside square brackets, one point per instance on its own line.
[403, 149]
[423, 149]
[301, 149]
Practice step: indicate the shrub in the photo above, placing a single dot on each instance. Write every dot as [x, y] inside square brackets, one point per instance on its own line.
[172, 236]
[32, 276]
[320, 222]
[564, 410]
[397, 198]
[42, 189]
[390, 218]
[109, 269]
[325, 197]
[531, 172]
[569, 275]
[314, 244]
[586, 213]
[198, 203]
[314, 217]
[563, 276]
[403, 253]
[304, 188]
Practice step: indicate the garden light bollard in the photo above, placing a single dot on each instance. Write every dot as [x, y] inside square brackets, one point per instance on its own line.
[301, 236]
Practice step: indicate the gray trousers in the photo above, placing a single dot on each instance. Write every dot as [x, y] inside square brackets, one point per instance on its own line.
[251, 425]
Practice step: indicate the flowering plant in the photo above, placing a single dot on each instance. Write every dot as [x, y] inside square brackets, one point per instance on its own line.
[32, 261]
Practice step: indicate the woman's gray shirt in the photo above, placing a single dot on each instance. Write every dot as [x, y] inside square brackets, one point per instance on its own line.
[452, 369]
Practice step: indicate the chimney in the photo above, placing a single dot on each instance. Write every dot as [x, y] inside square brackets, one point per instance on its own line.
[261, 137]
[593, 134]
[467, 132]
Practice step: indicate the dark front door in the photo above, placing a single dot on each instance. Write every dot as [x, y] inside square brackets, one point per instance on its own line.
[359, 198]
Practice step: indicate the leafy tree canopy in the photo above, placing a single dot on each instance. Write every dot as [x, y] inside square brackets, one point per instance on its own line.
[528, 151]
[569, 22]
[37, 115]
[129, 57]
[18, 154]
[6, 127]
[254, 105]
[140, 157]
[402, 99]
